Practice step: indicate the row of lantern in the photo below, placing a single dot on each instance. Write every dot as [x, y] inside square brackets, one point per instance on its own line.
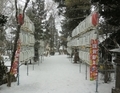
[41, 49]
[28, 24]
[88, 23]
[27, 38]
[41, 43]
[69, 50]
[84, 56]
[83, 39]
[26, 55]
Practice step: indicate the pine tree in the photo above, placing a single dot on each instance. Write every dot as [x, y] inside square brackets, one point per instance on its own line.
[37, 15]
[75, 11]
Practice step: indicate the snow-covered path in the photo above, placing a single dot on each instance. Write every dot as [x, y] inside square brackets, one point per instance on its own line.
[56, 74]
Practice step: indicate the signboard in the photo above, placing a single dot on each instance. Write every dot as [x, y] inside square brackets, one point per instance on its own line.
[93, 59]
[15, 64]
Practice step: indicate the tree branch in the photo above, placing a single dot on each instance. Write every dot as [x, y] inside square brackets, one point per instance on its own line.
[26, 4]
[16, 10]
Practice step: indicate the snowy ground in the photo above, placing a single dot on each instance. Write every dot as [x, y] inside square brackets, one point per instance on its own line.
[56, 74]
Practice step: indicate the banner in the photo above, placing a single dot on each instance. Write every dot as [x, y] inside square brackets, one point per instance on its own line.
[15, 64]
[93, 59]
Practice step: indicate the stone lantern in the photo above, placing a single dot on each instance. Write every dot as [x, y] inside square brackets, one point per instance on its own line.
[117, 62]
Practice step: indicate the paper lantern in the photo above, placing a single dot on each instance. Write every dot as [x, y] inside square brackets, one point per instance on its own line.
[20, 19]
[95, 19]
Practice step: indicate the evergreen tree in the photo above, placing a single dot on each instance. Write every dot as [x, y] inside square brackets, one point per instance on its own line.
[74, 12]
[37, 15]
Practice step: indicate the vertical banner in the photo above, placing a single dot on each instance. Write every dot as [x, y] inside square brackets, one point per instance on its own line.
[16, 59]
[93, 59]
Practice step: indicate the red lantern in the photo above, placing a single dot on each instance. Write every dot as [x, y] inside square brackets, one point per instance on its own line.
[95, 19]
[20, 19]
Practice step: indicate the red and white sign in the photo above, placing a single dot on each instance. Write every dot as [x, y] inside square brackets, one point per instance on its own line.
[15, 64]
[93, 59]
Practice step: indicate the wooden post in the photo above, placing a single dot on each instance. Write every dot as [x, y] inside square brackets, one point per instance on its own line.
[117, 82]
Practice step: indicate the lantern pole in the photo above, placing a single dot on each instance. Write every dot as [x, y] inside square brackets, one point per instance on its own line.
[97, 64]
[97, 9]
[18, 70]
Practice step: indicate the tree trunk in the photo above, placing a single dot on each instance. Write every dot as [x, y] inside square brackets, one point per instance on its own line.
[16, 38]
[13, 54]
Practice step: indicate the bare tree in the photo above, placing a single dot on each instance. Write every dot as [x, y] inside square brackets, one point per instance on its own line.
[17, 35]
